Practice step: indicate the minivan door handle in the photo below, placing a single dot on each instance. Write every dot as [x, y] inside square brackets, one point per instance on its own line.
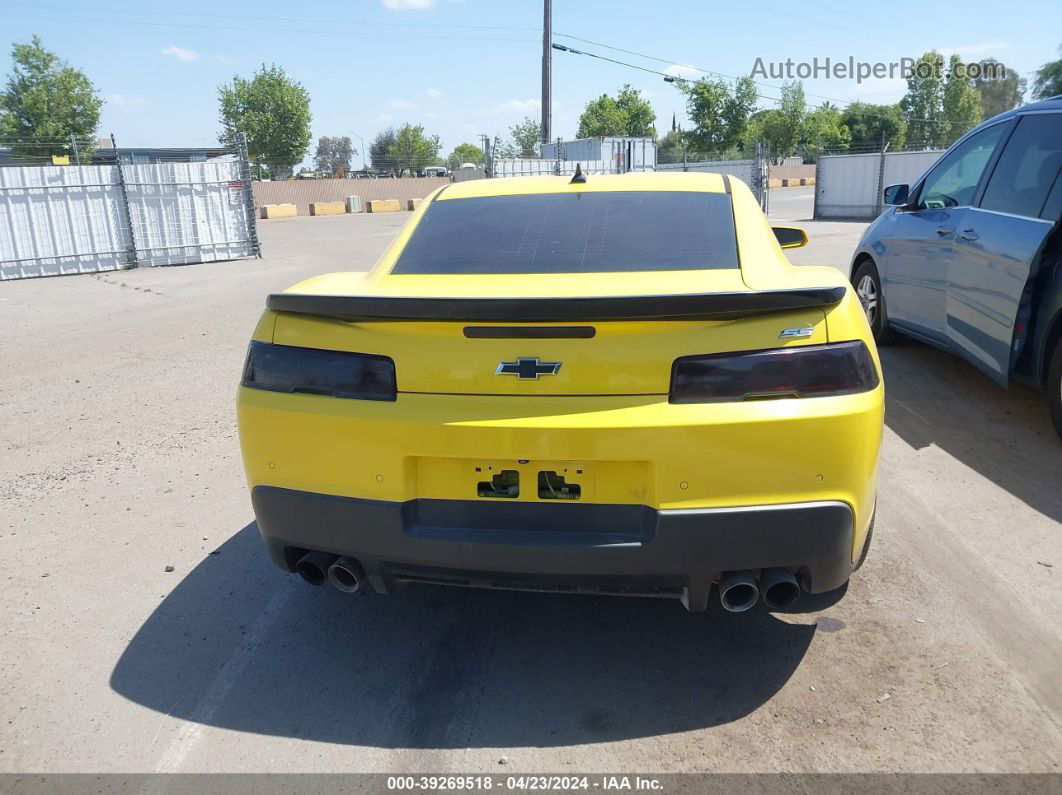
[969, 234]
[945, 230]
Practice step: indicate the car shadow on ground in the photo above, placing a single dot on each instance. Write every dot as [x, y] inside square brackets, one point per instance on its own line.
[240, 645]
[935, 398]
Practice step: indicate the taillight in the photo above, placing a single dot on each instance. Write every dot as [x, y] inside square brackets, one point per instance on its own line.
[800, 371]
[310, 371]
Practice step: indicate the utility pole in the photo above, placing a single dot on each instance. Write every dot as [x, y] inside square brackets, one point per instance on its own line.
[547, 57]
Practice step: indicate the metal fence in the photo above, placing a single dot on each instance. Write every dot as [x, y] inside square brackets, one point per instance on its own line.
[753, 171]
[83, 219]
[303, 192]
[850, 185]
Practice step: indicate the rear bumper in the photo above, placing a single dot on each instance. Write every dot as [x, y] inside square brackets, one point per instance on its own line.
[625, 549]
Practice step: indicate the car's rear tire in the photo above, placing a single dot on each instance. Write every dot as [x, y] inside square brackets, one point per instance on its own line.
[867, 285]
[1054, 386]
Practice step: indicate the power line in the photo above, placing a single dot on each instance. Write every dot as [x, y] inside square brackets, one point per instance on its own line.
[676, 79]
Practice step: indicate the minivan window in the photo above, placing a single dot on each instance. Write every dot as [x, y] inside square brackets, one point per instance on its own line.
[1028, 167]
[953, 182]
[573, 232]
[1052, 210]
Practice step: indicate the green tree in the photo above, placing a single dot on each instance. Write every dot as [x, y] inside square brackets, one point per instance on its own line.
[868, 124]
[527, 137]
[46, 101]
[380, 150]
[638, 113]
[669, 148]
[923, 104]
[718, 112]
[1048, 80]
[961, 102]
[273, 111]
[465, 153]
[825, 130]
[413, 150]
[783, 129]
[998, 94]
[333, 155]
[628, 114]
[601, 116]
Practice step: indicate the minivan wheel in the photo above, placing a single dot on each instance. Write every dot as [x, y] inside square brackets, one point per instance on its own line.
[1054, 387]
[867, 285]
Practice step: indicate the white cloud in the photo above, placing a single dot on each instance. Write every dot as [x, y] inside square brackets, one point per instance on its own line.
[399, 104]
[683, 71]
[514, 106]
[180, 53]
[432, 115]
[434, 92]
[406, 5]
[382, 118]
[974, 49]
[122, 99]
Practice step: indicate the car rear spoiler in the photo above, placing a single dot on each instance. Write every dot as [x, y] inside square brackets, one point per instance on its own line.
[548, 310]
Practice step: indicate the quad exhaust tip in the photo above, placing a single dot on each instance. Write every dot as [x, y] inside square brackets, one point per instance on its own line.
[738, 591]
[313, 567]
[779, 588]
[346, 574]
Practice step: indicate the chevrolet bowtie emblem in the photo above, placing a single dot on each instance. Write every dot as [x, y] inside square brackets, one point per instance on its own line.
[528, 369]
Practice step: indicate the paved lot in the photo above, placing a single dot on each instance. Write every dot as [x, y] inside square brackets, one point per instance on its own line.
[120, 458]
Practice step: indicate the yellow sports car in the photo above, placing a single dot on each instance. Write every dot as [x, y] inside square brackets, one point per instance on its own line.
[607, 384]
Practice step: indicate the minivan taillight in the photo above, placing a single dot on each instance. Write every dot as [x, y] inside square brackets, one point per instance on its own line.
[311, 371]
[841, 368]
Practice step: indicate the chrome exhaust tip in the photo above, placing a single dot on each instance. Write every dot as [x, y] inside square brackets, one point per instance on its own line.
[346, 574]
[313, 567]
[738, 591]
[779, 588]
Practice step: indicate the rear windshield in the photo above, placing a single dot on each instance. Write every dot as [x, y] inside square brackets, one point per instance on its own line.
[574, 233]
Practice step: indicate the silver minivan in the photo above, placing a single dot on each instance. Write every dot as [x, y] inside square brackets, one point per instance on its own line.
[969, 258]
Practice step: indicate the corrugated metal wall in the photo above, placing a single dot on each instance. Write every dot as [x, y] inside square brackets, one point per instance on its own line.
[301, 192]
[849, 186]
[82, 219]
[744, 170]
[188, 212]
[55, 220]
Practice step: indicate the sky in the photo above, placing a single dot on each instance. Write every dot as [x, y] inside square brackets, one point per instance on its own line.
[463, 68]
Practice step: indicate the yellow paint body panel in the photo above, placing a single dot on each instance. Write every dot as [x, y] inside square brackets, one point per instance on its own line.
[605, 413]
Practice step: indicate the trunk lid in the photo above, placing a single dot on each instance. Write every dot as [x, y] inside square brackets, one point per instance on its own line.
[614, 357]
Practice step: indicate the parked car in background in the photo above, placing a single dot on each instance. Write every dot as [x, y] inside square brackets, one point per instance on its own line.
[436, 171]
[970, 258]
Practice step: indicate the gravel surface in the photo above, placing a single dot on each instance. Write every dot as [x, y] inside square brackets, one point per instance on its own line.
[145, 630]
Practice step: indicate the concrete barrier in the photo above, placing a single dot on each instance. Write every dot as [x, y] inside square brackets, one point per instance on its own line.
[413, 204]
[383, 206]
[353, 204]
[790, 182]
[279, 211]
[328, 208]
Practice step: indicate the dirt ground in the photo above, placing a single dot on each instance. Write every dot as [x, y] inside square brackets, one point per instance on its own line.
[120, 460]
